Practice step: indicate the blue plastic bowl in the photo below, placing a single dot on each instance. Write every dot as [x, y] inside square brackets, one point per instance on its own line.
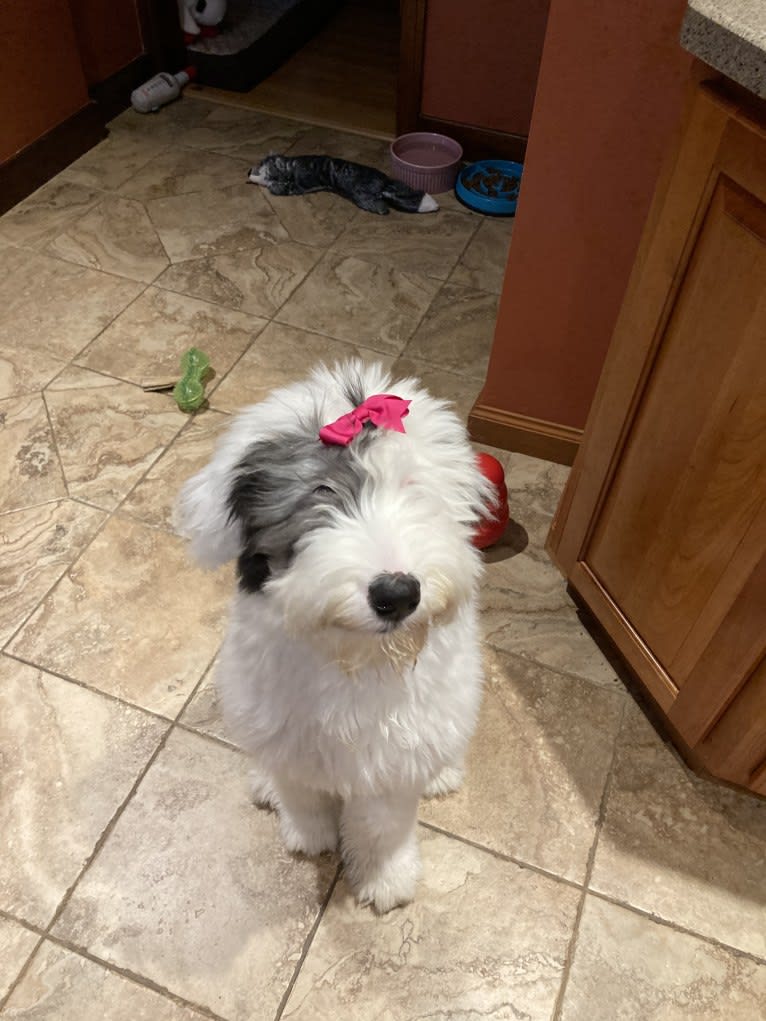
[475, 189]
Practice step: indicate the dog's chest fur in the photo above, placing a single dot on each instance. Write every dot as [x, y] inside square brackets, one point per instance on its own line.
[297, 713]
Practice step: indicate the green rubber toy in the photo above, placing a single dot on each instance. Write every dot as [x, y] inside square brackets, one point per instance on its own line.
[189, 391]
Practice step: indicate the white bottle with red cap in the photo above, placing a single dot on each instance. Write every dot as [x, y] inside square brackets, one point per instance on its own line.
[161, 89]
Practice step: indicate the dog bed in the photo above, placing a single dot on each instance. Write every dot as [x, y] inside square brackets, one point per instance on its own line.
[256, 37]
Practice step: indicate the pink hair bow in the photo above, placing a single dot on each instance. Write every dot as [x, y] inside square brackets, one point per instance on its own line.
[383, 410]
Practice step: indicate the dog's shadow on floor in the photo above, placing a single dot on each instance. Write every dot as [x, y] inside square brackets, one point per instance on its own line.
[514, 541]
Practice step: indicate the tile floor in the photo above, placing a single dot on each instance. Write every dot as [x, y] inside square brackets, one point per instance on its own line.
[582, 873]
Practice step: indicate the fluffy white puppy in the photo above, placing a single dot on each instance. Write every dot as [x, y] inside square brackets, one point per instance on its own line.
[351, 668]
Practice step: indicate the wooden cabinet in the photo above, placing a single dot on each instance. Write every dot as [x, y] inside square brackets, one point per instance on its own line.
[662, 529]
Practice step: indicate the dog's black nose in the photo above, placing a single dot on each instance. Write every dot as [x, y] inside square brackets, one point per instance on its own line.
[394, 596]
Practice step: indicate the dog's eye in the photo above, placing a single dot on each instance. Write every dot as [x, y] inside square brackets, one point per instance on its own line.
[324, 491]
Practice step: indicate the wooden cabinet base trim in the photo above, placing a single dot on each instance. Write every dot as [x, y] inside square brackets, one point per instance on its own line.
[44, 158]
[534, 436]
[625, 638]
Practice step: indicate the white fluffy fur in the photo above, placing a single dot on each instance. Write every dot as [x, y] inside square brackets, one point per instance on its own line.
[350, 727]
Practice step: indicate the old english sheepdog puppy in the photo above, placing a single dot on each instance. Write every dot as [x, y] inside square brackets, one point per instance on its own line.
[351, 668]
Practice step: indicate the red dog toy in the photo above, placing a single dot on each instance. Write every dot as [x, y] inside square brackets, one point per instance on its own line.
[491, 530]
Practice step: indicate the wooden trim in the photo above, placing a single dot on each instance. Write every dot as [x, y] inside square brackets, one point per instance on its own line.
[162, 35]
[478, 143]
[42, 159]
[113, 94]
[626, 639]
[533, 436]
[412, 16]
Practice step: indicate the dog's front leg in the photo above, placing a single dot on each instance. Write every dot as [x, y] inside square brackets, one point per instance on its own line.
[308, 818]
[380, 848]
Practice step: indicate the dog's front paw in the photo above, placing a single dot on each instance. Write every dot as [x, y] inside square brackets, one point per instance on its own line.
[308, 834]
[393, 883]
[447, 781]
[262, 790]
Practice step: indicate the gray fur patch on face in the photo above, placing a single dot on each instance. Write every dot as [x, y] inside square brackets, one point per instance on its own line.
[283, 488]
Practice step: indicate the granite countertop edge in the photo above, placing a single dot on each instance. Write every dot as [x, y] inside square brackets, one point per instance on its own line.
[734, 45]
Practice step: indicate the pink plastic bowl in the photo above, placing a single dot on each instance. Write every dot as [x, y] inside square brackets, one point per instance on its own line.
[426, 161]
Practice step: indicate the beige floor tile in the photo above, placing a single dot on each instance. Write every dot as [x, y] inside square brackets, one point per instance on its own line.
[154, 497]
[685, 849]
[243, 134]
[525, 607]
[108, 433]
[315, 219]
[448, 386]
[208, 223]
[167, 126]
[115, 236]
[457, 331]
[30, 472]
[482, 939]
[538, 483]
[62, 986]
[257, 281]
[482, 264]
[60, 787]
[16, 944]
[148, 340]
[51, 310]
[371, 152]
[193, 889]
[281, 355]
[180, 171]
[132, 618]
[41, 217]
[420, 244]
[362, 302]
[113, 162]
[38, 545]
[450, 203]
[628, 968]
[537, 767]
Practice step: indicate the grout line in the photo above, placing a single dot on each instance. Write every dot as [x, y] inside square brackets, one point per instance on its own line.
[78, 354]
[307, 944]
[20, 976]
[221, 742]
[134, 977]
[682, 930]
[109, 828]
[38, 503]
[571, 949]
[511, 859]
[107, 831]
[67, 568]
[616, 689]
[54, 443]
[125, 703]
[10, 917]
[47, 933]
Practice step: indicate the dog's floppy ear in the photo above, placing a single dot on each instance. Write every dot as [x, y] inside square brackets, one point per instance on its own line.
[252, 564]
[203, 517]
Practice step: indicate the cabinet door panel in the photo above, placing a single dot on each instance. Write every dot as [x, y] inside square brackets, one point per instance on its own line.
[692, 474]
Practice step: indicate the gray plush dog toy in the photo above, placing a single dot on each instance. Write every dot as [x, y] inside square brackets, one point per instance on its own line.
[366, 187]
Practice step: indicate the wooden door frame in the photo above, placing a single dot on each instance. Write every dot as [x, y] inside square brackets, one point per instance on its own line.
[477, 142]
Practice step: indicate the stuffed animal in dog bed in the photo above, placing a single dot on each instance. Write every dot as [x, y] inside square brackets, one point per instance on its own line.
[367, 188]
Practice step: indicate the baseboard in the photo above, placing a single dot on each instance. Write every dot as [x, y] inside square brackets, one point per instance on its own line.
[113, 94]
[31, 167]
[478, 143]
[533, 436]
